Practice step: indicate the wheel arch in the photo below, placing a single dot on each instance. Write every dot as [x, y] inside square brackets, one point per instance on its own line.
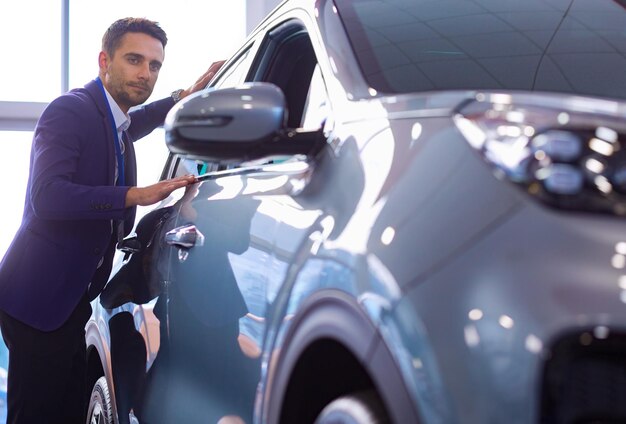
[98, 362]
[331, 337]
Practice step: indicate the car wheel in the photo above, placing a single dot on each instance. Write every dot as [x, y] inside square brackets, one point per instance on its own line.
[359, 408]
[100, 410]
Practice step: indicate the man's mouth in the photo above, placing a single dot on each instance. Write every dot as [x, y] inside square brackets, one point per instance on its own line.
[140, 87]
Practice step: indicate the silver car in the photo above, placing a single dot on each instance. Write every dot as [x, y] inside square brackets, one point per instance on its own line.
[407, 211]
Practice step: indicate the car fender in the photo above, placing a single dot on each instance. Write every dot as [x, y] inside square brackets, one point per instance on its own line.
[333, 314]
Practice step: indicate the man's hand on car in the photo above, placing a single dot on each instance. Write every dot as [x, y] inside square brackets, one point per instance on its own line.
[145, 196]
[204, 79]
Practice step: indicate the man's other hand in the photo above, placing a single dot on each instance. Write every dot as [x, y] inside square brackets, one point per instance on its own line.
[204, 79]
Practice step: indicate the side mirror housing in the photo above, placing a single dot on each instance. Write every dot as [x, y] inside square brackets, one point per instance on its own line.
[237, 124]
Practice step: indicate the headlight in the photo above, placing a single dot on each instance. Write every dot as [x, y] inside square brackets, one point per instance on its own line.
[568, 152]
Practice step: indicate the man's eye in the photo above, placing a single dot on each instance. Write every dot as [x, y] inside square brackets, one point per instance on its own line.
[133, 60]
[155, 68]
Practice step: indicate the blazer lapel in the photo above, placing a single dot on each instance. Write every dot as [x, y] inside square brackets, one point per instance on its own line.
[102, 105]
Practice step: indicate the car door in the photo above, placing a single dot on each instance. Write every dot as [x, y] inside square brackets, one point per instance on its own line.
[224, 251]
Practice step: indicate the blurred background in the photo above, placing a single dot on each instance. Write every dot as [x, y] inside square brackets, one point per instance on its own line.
[51, 46]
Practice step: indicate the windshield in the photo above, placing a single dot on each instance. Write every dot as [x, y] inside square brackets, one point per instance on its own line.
[571, 46]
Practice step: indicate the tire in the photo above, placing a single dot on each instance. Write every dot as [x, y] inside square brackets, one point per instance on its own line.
[358, 408]
[100, 409]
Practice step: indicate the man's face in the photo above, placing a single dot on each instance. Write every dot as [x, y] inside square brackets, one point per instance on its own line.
[129, 76]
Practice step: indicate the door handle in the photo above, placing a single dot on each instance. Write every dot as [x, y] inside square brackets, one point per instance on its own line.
[185, 237]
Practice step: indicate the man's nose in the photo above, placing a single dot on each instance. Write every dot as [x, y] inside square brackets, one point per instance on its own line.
[144, 72]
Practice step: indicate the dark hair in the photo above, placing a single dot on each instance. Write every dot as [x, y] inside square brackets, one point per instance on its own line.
[113, 35]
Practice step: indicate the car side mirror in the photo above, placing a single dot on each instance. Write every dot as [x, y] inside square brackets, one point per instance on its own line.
[236, 124]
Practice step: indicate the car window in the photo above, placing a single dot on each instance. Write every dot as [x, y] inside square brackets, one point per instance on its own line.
[287, 59]
[237, 72]
[234, 75]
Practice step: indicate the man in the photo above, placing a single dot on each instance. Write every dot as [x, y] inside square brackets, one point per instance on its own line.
[80, 200]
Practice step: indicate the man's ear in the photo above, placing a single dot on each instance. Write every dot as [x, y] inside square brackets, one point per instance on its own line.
[103, 61]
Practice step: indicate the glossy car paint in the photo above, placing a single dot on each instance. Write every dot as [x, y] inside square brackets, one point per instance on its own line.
[395, 248]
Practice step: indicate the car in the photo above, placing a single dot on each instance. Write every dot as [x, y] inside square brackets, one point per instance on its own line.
[406, 211]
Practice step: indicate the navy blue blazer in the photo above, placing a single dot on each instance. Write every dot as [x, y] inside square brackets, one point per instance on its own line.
[70, 202]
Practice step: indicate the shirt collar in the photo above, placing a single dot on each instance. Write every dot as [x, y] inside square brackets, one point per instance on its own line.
[122, 120]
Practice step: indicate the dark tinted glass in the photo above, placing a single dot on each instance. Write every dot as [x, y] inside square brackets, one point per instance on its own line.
[573, 46]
